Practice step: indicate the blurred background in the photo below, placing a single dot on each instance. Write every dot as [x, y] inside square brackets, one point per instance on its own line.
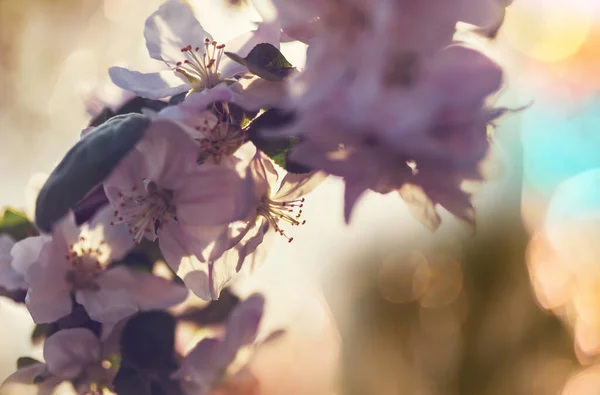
[513, 309]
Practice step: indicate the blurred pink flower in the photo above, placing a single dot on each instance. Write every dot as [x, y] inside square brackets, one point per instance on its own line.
[205, 369]
[71, 354]
[388, 120]
[76, 260]
[174, 36]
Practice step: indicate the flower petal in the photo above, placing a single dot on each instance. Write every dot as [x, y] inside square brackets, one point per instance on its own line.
[242, 326]
[295, 185]
[172, 27]
[68, 351]
[200, 366]
[174, 247]
[49, 294]
[148, 85]
[23, 381]
[150, 292]
[463, 76]
[167, 151]
[109, 304]
[208, 196]
[253, 93]
[115, 236]
[26, 252]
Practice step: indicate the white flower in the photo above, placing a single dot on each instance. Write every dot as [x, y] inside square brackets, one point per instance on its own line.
[196, 62]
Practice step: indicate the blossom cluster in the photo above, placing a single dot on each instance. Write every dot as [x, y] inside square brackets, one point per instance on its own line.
[208, 164]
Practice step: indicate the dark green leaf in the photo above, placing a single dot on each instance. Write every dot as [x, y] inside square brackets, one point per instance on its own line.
[137, 260]
[86, 165]
[148, 341]
[129, 382]
[266, 61]
[134, 105]
[39, 379]
[16, 224]
[216, 312]
[40, 333]
[274, 148]
[23, 362]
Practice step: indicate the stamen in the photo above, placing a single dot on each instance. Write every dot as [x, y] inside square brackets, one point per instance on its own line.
[145, 214]
[275, 211]
[201, 70]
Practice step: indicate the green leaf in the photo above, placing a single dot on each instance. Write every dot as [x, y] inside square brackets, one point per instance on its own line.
[23, 362]
[275, 148]
[130, 382]
[86, 165]
[148, 342]
[16, 224]
[40, 333]
[265, 61]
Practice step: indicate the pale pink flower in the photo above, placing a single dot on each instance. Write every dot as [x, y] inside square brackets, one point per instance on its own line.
[10, 279]
[75, 260]
[196, 62]
[272, 207]
[210, 365]
[161, 193]
[75, 355]
[413, 122]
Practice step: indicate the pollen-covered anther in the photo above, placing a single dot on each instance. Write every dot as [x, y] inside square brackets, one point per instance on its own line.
[145, 213]
[289, 211]
[201, 69]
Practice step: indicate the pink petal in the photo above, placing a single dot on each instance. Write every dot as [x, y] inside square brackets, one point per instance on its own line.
[168, 152]
[201, 365]
[109, 304]
[295, 185]
[148, 85]
[172, 27]
[26, 252]
[463, 76]
[22, 381]
[49, 294]
[116, 236]
[67, 352]
[208, 196]
[150, 292]
[187, 266]
[253, 93]
[242, 326]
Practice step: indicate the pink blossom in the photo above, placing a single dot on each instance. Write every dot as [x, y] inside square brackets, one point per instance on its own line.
[75, 260]
[271, 206]
[196, 61]
[160, 192]
[75, 355]
[206, 367]
[412, 121]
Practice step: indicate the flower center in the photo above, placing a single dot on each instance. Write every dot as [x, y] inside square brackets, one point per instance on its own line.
[221, 140]
[145, 213]
[85, 261]
[201, 68]
[289, 211]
